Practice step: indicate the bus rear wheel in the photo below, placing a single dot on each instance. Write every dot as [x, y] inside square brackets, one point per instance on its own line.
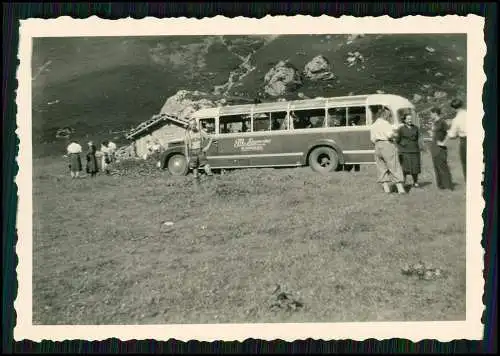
[178, 165]
[323, 160]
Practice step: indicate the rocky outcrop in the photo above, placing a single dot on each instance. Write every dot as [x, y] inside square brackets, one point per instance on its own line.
[417, 98]
[64, 132]
[318, 69]
[282, 78]
[185, 102]
[440, 94]
[354, 58]
[352, 37]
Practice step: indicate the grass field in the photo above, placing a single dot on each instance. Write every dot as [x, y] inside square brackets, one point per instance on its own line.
[103, 255]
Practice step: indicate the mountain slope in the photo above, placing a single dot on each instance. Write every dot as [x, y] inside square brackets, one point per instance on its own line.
[100, 87]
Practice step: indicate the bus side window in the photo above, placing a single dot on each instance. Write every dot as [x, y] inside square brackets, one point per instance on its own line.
[308, 119]
[337, 117]
[357, 116]
[234, 123]
[261, 122]
[208, 125]
[278, 121]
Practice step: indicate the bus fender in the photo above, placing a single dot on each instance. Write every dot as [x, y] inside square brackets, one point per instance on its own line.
[168, 153]
[329, 143]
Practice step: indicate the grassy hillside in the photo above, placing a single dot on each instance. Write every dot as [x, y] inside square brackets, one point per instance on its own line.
[101, 86]
[396, 63]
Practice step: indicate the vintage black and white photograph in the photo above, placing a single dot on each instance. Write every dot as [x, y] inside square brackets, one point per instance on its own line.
[253, 178]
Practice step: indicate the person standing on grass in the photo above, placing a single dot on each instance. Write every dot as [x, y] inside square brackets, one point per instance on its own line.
[459, 129]
[92, 167]
[106, 157]
[409, 142]
[112, 151]
[75, 162]
[196, 145]
[439, 151]
[386, 154]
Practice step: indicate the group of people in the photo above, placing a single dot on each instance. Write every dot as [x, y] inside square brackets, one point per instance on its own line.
[92, 167]
[398, 152]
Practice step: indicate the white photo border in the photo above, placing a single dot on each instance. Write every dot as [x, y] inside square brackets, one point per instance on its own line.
[471, 328]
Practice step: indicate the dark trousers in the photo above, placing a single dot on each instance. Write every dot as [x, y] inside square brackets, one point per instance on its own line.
[441, 168]
[463, 155]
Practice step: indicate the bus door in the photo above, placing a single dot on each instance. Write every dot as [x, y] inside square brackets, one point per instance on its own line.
[226, 153]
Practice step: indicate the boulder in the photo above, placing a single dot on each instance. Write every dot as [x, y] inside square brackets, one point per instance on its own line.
[354, 58]
[354, 36]
[64, 132]
[185, 102]
[440, 94]
[318, 69]
[282, 78]
[417, 98]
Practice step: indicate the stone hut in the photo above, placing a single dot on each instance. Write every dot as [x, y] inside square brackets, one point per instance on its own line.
[155, 134]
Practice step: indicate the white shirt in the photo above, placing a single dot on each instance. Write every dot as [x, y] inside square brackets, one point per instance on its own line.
[105, 149]
[112, 146]
[459, 125]
[381, 130]
[74, 148]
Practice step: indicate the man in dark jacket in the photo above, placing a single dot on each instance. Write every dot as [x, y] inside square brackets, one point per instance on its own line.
[439, 151]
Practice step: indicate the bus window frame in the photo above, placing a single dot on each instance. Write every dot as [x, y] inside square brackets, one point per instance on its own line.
[289, 121]
[199, 120]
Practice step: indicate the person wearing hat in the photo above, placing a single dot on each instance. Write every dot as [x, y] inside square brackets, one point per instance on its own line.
[439, 151]
[75, 162]
[459, 129]
[408, 139]
[386, 154]
[195, 147]
[92, 167]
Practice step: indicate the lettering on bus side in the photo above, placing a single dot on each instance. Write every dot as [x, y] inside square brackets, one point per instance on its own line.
[251, 144]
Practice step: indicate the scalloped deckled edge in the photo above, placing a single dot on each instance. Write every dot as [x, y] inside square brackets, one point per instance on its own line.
[219, 25]
[66, 26]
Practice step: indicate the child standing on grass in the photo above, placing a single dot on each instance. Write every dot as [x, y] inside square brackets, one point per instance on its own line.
[193, 142]
[75, 161]
[92, 167]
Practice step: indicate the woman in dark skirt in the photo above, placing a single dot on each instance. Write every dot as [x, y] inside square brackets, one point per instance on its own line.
[75, 161]
[92, 167]
[408, 140]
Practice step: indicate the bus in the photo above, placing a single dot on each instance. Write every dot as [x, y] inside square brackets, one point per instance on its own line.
[322, 133]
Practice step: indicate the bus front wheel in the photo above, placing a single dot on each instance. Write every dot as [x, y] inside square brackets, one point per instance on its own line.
[323, 160]
[178, 165]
